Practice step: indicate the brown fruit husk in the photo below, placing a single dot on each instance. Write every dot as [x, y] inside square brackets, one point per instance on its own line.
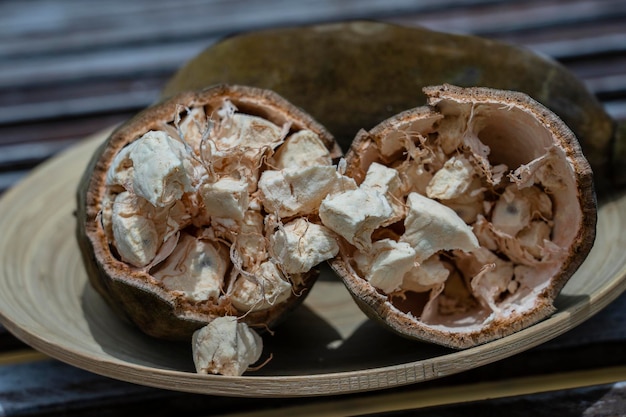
[353, 75]
[129, 290]
[517, 129]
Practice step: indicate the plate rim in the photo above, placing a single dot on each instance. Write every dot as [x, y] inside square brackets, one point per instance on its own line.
[329, 383]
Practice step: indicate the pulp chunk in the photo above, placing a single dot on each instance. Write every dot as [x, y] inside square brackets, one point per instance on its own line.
[355, 214]
[297, 191]
[417, 177]
[471, 203]
[225, 198]
[160, 172]
[248, 133]
[391, 260]
[250, 242]
[426, 275]
[238, 143]
[386, 181]
[192, 129]
[534, 237]
[490, 275]
[431, 227]
[516, 208]
[196, 268]
[301, 245]
[263, 289]
[302, 149]
[453, 180]
[225, 347]
[134, 233]
[120, 171]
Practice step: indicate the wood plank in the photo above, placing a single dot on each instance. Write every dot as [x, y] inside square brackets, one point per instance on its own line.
[84, 54]
[103, 64]
[24, 154]
[160, 58]
[45, 15]
[566, 49]
[79, 106]
[58, 129]
[70, 98]
[617, 109]
[46, 387]
[501, 19]
[143, 19]
[78, 99]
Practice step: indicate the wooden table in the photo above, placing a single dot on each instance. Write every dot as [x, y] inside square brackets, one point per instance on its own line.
[70, 68]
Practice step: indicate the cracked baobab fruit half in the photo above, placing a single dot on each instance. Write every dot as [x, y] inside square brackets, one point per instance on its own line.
[206, 206]
[470, 216]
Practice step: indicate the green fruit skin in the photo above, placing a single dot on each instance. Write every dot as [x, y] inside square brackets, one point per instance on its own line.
[350, 76]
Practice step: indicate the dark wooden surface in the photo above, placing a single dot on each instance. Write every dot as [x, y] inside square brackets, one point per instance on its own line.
[69, 68]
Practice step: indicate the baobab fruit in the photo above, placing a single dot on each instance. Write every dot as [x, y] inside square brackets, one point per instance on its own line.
[205, 206]
[469, 217]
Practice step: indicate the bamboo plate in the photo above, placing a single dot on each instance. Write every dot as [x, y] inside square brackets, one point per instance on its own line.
[326, 347]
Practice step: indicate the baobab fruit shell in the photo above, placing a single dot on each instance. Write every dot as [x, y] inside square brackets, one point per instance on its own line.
[129, 290]
[519, 132]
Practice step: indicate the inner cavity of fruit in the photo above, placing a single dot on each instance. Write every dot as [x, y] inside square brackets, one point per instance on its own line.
[463, 213]
[221, 207]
